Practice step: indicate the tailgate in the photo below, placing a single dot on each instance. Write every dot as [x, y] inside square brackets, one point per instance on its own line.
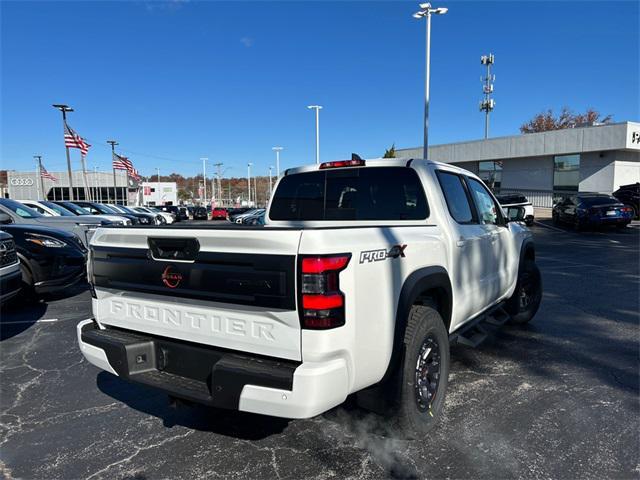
[231, 288]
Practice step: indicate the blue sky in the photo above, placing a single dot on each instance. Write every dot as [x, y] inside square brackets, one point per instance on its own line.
[176, 81]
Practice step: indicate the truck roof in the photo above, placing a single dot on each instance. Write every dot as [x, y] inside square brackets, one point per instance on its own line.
[381, 162]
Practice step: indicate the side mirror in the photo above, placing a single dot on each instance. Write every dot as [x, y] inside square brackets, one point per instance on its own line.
[515, 214]
[5, 218]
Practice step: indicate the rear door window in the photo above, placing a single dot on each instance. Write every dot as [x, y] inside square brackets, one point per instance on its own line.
[456, 197]
[373, 193]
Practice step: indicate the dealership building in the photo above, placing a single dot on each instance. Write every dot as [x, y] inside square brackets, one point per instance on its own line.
[546, 165]
[100, 187]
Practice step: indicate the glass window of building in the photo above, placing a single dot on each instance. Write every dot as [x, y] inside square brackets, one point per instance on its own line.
[491, 173]
[566, 172]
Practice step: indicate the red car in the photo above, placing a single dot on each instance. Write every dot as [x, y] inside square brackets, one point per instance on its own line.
[219, 214]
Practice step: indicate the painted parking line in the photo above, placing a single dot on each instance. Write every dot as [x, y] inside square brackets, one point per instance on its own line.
[44, 320]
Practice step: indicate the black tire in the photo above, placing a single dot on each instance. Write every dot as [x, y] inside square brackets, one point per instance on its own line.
[554, 219]
[420, 407]
[27, 281]
[576, 225]
[525, 301]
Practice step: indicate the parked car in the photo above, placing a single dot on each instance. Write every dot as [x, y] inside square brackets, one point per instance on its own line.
[200, 213]
[10, 275]
[356, 284]
[630, 196]
[105, 210]
[50, 259]
[180, 213]
[585, 210]
[143, 218]
[168, 217]
[50, 209]
[219, 214]
[518, 200]
[255, 219]
[15, 212]
[240, 218]
[62, 206]
[234, 212]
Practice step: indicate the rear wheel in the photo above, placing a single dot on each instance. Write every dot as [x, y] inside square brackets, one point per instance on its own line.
[525, 301]
[425, 373]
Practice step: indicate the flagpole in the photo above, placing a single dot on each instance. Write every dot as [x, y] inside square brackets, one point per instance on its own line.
[39, 158]
[64, 109]
[87, 193]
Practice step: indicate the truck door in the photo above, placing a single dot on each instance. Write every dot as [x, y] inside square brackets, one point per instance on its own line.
[472, 259]
[498, 261]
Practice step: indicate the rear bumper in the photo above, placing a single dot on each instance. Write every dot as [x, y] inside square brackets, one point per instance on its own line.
[217, 377]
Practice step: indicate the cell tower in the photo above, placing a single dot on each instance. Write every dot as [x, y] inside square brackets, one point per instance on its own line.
[487, 104]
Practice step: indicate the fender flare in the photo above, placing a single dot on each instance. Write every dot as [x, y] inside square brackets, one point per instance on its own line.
[419, 281]
[527, 247]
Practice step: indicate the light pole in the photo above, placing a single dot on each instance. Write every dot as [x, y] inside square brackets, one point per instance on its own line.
[270, 186]
[113, 144]
[317, 108]
[204, 178]
[249, 182]
[64, 109]
[277, 150]
[426, 11]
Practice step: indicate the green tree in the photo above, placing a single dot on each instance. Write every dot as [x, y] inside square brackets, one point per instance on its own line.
[390, 152]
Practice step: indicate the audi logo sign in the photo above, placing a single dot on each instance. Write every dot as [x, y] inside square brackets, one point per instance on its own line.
[21, 182]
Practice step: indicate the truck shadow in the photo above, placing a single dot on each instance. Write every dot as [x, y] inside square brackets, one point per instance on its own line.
[230, 423]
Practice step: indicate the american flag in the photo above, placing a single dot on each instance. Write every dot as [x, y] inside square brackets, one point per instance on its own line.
[123, 163]
[45, 174]
[73, 140]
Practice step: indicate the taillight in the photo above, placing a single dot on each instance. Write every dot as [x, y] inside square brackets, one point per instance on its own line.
[321, 301]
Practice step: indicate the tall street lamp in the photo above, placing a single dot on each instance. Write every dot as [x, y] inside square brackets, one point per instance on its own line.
[277, 150]
[270, 186]
[204, 179]
[249, 182]
[425, 12]
[64, 109]
[317, 108]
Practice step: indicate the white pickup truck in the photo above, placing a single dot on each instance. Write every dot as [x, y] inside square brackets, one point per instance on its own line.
[360, 277]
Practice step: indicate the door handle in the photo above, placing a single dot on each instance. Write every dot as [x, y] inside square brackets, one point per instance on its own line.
[461, 243]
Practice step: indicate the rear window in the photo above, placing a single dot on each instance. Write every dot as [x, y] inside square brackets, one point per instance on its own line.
[591, 201]
[373, 193]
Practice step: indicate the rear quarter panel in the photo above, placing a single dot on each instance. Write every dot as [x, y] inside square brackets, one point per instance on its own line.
[372, 290]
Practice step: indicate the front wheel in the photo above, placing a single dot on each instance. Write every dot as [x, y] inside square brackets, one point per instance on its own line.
[525, 301]
[425, 373]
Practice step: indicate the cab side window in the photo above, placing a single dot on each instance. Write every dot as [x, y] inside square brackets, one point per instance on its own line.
[487, 209]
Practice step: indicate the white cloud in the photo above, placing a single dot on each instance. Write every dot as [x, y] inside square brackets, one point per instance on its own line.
[247, 41]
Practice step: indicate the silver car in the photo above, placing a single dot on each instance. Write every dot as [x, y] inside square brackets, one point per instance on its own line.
[15, 212]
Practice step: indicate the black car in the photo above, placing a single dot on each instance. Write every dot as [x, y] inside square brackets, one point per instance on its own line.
[630, 196]
[102, 209]
[180, 213]
[62, 206]
[50, 259]
[200, 213]
[234, 212]
[591, 210]
[143, 218]
[10, 275]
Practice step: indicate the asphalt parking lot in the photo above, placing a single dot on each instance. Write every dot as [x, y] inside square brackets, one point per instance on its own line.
[558, 398]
